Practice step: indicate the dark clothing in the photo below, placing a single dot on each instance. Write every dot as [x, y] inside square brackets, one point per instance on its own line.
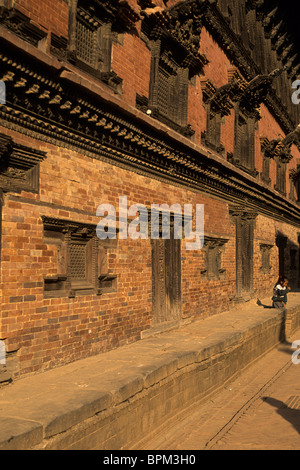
[279, 296]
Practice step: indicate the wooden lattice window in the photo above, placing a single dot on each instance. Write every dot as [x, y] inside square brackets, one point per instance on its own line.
[244, 145]
[93, 40]
[86, 37]
[245, 141]
[81, 259]
[212, 136]
[281, 176]
[168, 92]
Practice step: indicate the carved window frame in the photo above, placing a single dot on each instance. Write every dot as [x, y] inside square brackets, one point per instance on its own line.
[244, 142]
[266, 158]
[214, 247]
[19, 166]
[168, 93]
[265, 250]
[77, 246]
[173, 64]
[90, 42]
[294, 177]
[281, 169]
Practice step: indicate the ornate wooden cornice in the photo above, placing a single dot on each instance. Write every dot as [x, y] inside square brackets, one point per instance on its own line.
[277, 30]
[181, 28]
[255, 93]
[47, 104]
[117, 12]
[221, 100]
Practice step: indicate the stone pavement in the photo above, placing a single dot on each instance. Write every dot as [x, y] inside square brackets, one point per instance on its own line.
[259, 410]
[118, 399]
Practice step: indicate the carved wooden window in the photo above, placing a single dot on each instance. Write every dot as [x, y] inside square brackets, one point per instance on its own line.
[244, 143]
[168, 96]
[212, 137]
[281, 176]
[265, 250]
[19, 168]
[26, 28]
[297, 189]
[213, 248]
[91, 39]
[265, 174]
[81, 260]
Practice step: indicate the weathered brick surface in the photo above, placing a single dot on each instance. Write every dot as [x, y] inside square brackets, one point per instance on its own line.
[48, 332]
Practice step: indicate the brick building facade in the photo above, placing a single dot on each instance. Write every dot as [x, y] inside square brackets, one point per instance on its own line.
[163, 102]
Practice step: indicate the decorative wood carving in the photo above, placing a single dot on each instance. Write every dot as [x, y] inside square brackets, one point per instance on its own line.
[213, 247]
[21, 25]
[19, 166]
[82, 266]
[265, 249]
[49, 110]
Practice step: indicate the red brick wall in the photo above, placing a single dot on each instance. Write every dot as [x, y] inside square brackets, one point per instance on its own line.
[52, 16]
[48, 332]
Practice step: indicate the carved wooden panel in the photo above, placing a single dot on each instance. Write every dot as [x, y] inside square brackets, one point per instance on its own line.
[19, 166]
[281, 176]
[265, 250]
[81, 259]
[213, 247]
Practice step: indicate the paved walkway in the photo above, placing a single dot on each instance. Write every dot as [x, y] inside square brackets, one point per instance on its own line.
[260, 410]
[45, 404]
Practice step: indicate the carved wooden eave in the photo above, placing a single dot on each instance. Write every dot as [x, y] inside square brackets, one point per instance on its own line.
[58, 106]
[117, 12]
[282, 148]
[255, 93]
[181, 28]
[210, 16]
[221, 99]
[276, 30]
[292, 138]
[294, 174]
[18, 166]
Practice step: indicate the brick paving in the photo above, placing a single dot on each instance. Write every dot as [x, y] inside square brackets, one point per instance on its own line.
[259, 410]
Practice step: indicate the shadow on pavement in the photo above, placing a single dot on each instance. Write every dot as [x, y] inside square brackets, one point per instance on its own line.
[290, 414]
